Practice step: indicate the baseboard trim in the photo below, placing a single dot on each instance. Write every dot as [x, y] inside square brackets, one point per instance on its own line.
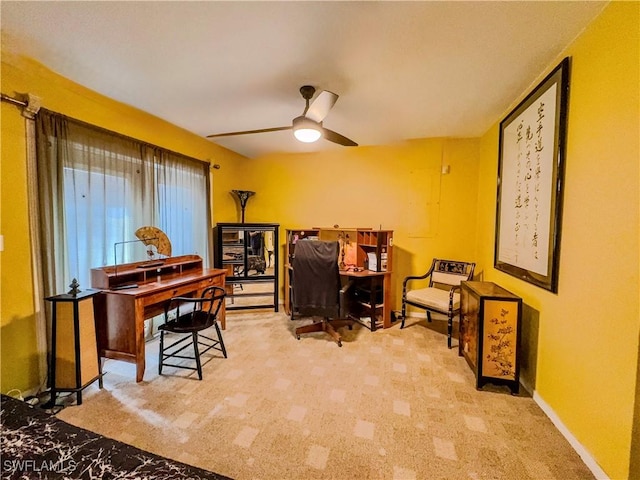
[589, 461]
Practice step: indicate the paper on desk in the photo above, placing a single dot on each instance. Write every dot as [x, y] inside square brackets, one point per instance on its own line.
[373, 261]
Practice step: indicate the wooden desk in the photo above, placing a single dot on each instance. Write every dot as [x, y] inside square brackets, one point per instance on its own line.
[120, 314]
[387, 293]
[361, 248]
[374, 277]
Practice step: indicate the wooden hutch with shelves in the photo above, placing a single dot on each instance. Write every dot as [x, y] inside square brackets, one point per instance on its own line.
[366, 259]
[133, 275]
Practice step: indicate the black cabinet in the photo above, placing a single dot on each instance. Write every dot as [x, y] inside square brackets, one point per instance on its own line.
[490, 318]
[249, 254]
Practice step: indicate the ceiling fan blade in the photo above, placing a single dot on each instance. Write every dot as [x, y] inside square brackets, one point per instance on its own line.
[320, 107]
[337, 138]
[246, 132]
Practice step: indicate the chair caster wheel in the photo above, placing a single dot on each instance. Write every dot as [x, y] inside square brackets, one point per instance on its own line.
[339, 344]
[298, 337]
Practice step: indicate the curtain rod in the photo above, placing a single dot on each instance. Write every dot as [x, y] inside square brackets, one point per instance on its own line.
[30, 106]
[127, 137]
[32, 110]
[15, 101]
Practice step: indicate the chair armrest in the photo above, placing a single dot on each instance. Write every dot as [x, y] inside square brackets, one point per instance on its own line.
[175, 302]
[188, 299]
[344, 299]
[452, 291]
[416, 277]
[346, 288]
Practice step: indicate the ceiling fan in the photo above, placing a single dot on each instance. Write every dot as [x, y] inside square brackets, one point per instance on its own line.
[308, 126]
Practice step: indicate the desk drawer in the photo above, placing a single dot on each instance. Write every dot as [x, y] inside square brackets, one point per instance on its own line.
[217, 281]
[180, 291]
[154, 304]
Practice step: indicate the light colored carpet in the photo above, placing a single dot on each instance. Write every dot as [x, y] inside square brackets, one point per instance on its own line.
[391, 404]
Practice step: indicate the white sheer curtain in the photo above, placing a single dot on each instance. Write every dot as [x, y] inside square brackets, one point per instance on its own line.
[108, 194]
[183, 204]
[97, 188]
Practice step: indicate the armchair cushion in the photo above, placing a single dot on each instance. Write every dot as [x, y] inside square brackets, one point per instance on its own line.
[433, 298]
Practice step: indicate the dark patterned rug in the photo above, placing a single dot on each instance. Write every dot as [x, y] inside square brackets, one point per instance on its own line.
[37, 445]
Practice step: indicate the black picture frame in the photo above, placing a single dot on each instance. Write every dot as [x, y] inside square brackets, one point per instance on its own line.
[531, 158]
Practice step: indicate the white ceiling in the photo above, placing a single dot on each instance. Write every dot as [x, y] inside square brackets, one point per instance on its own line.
[402, 69]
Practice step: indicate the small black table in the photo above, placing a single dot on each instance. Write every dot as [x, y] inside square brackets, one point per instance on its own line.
[75, 362]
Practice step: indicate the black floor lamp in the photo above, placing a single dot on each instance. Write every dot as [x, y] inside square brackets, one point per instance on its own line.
[243, 196]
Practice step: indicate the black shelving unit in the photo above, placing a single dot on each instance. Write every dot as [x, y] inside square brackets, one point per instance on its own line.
[249, 254]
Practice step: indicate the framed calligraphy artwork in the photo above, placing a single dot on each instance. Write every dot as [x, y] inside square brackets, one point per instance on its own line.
[530, 178]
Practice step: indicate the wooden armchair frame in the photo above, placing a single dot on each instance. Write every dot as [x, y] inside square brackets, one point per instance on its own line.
[442, 294]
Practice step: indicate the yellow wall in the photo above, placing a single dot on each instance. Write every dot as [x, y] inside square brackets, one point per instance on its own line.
[18, 334]
[398, 187]
[587, 345]
[17, 305]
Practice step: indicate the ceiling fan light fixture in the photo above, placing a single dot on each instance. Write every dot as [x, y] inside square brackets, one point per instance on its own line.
[306, 130]
[307, 135]
[308, 127]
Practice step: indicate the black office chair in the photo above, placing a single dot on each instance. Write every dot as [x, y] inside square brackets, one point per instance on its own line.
[202, 314]
[316, 288]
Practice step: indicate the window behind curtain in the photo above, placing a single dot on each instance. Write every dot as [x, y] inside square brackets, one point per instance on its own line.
[103, 188]
[183, 205]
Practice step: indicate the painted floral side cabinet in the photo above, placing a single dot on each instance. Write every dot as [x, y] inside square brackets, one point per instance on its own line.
[490, 324]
